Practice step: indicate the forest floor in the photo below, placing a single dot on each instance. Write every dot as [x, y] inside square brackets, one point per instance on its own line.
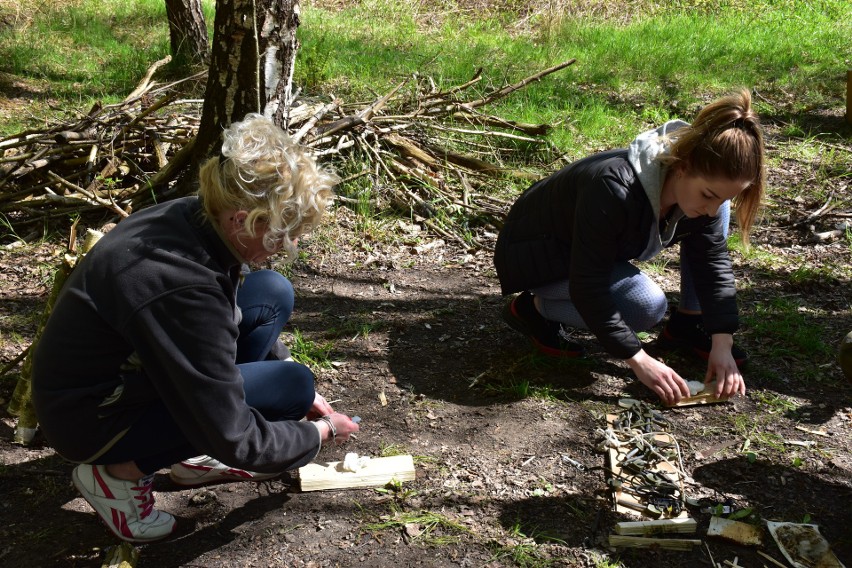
[419, 352]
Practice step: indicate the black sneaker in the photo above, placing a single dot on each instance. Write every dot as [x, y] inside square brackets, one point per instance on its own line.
[687, 331]
[547, 336]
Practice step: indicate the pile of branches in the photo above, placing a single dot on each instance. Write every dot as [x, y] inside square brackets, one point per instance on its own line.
[427, 151]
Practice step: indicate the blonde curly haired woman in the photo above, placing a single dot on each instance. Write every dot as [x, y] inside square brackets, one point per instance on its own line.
[163, 350]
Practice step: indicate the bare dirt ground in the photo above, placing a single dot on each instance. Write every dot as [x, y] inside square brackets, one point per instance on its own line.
[493, 429]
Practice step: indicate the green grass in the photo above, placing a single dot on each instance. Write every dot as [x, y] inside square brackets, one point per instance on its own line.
[788, 330]
[664, 62]
[627, 75]
[69, 55]
[310, 353]
[524, 549]
[425, 527]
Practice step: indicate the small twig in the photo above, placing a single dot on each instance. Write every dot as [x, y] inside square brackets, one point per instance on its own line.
[14, 362]
[311, 122]
[488, 133]
[145, 83]
[825, 207]
[499, 94]
[767, 557]
[90, 196]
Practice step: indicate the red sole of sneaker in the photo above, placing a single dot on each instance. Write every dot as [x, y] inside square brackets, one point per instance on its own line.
[551, 352]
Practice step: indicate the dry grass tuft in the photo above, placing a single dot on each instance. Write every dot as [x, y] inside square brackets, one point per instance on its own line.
[20, 13]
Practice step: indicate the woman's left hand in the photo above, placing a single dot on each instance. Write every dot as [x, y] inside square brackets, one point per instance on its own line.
[321, 407]
[722, 368]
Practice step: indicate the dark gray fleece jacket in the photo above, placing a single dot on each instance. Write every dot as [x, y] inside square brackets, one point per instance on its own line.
[158, 289]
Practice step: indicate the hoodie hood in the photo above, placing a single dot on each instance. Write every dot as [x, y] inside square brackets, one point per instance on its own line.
[643, 154]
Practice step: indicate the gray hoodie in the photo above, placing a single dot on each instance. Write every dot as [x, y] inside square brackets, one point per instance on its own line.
[643, 154]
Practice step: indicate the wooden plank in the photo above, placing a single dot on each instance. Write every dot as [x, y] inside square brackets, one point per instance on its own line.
[377, 472]
[661, 526]
[706, 396]
[619, 541]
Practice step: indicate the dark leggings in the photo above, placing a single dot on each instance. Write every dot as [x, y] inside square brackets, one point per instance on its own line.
[279, 390]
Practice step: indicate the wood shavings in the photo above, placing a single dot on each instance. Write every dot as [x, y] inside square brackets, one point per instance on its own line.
[354, 463]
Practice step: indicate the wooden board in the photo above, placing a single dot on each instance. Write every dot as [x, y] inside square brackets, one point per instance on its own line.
[619, 541]
[705, 397]
[661, 526]
[623, 500]
[377, 472]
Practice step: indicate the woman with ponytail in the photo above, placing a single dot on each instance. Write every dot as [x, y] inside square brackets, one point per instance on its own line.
[569, 241]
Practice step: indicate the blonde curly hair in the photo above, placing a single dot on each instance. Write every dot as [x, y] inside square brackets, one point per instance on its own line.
[262, 171]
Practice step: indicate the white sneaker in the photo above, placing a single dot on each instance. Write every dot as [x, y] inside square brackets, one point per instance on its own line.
[204, 469]
[126, 507]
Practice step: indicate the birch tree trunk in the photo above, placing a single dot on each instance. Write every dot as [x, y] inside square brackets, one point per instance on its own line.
[251, 68]
[187, 31]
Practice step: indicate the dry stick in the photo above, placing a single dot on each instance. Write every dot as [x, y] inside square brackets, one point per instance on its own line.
[115, 118]
[827, 206]
[488, 120]
[487, 133]
[14, 362]
[165, 175]
[477, 76]
[446, 234]
[297, 137]
[767, 557]
[359, 118]
[499, 94]
[145, 83]
[381, 163]
[409, 148]
[91, 196]
[21, 139]
[35, 157]
[158, 104]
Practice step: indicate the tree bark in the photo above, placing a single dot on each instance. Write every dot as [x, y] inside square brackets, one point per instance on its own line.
[251, 68]
[187, 31]
[278, 21]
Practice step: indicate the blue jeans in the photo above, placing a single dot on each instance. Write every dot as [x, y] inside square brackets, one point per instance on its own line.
[279, 390]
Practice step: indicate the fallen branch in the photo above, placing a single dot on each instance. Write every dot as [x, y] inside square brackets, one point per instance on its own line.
[430, 149]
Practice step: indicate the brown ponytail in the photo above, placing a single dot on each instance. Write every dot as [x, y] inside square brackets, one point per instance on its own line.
[726, 140]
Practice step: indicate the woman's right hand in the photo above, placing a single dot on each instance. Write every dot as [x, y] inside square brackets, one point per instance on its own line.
[659, 377]
[343, 427]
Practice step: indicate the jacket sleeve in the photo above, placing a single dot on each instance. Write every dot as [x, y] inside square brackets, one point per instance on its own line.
[705, 251]
[186, 342]
[600, 219]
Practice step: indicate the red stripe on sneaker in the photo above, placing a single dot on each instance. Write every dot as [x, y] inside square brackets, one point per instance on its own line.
[119, 521]
[101, 483]
[238, 473]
